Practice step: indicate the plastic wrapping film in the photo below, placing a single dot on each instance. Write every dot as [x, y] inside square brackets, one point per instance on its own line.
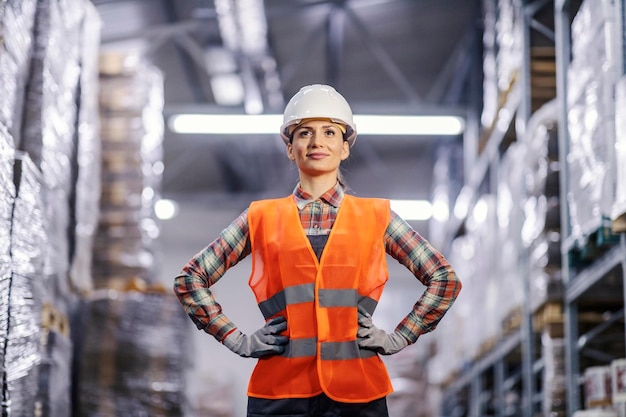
[618, 213]
[541, 230]
[7, 199]
[591, 119]
[131, 107]
[39, 351]
[510, 217]
[50, 119]
[16, 29]
[508, 42]
[88, 159]
[131, 355]
[25, 289]
[490, 83]
[453, 338]
[55, 375]
[554, 386]
[502, 52]
[460, 338]
[486, 289]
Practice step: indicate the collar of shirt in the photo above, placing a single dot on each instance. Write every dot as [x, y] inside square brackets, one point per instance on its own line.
[334, 196]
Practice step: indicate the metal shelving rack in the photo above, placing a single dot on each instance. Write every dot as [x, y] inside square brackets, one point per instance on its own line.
[580, 281]
[513, 365]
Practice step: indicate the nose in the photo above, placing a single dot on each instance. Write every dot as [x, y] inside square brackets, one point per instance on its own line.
[314, 141]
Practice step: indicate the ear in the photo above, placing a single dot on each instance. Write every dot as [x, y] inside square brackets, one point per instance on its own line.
[290, 154]
[345, 151]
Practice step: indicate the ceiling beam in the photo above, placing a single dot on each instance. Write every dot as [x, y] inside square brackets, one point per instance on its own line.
[383, 58]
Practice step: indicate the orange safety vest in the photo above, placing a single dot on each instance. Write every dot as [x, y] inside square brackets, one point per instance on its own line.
[319, 300]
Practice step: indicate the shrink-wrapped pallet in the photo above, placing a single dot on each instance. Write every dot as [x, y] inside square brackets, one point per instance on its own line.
[55, 373]
[50, 118]
[540, 232]
[7, 199]
[502, 53]
[26, 288]
[510, 199]
[131, 355]
[16, 29]
[618, 213]
[591, 119]
[554, 384]
[88, 157]
[486, 288]
[131, 105]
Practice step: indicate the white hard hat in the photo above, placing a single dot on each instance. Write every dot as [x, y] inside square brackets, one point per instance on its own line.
[318, 101]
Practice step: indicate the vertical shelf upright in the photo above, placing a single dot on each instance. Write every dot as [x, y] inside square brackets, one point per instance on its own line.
[513, 365]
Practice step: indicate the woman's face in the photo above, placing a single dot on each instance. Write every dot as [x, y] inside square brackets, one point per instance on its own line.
[318, 147]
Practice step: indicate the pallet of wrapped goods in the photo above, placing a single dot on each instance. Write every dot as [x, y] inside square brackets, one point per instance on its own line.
[591, 121]
[540, 231]
[25, 290]
[510, 215]
[131, 132]
[55, 368]
[7, 199]
[618, 212]
[49, 132]
[131, 354]
[17, 19]
[597, 386]
[85, 206]
[554, 384]
[55, 373]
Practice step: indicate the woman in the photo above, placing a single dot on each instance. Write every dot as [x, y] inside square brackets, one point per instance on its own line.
[318, 271]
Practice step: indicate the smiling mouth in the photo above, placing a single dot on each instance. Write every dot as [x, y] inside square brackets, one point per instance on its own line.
[316, 155]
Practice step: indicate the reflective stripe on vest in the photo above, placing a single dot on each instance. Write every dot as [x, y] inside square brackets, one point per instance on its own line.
[319, 299]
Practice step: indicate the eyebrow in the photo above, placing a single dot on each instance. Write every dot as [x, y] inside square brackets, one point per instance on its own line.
[323, 127]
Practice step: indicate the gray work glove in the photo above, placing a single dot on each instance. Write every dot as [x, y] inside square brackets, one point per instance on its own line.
[265, 341]
[373, 338]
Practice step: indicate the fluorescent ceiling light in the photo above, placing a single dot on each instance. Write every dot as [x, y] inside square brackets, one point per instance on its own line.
[412, 209]
[409, 125]
[166, 209]
[237, 124]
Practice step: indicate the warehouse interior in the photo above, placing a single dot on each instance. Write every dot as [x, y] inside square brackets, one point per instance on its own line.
[527, 201]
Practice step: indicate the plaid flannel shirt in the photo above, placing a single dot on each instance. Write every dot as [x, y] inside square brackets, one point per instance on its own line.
[402, 242]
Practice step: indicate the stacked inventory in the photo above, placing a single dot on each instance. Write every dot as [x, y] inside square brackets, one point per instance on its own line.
[17, 18]
[50, 127]
[541, 240]
[502, 45]
[559, 172]
[131, 355]
[29, 244]
[618, 214]
[540, 233]
[131, 105]
[45, 49]
[591, 120]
